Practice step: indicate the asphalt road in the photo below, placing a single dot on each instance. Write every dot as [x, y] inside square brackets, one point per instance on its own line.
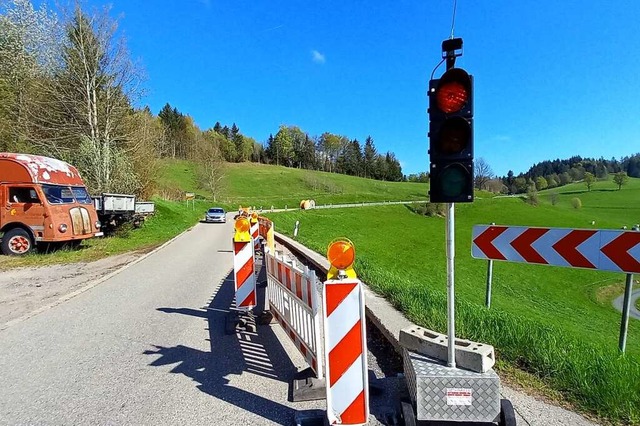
[618, 303]
[148, 346]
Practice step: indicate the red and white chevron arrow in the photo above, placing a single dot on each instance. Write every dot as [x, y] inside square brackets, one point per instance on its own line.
[605, 250]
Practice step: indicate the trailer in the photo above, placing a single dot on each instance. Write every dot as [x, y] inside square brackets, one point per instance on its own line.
[145, 208]
[114, 210]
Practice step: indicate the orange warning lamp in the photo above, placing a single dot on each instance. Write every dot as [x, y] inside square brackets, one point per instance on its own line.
[254, 217]
[242, 228]
[341, 254]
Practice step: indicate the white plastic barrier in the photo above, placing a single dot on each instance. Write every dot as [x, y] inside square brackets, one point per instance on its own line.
[293, 301]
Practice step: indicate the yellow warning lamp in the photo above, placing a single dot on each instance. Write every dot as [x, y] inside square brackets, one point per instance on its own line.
[242, 228]
[254, 217]
[341, 254]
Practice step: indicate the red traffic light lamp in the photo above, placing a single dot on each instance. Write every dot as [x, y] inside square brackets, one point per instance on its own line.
[451, 137]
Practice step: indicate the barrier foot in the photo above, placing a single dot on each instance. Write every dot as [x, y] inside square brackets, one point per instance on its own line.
[306, 387]
[236, 321]
[264, 318]
[311, 418]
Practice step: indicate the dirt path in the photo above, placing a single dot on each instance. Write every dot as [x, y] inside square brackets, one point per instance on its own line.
[25, 290]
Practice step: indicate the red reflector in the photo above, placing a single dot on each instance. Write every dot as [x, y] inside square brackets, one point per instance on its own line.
[451, 97]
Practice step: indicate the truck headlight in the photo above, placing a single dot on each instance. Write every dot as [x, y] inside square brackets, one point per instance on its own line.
[98, 224]
[62, 227]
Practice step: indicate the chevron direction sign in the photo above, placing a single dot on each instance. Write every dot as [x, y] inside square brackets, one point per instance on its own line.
[604, 250]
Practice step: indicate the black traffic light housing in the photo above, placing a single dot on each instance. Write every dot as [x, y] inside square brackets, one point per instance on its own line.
[451, 137]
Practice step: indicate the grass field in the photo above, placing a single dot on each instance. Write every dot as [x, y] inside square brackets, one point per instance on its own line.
[555, 322]
[261, 185]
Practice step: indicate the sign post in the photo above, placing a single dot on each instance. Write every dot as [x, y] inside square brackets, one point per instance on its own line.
[624, 324]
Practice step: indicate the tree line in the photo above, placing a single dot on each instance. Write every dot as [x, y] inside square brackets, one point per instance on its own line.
[68, 88]
[554, 173]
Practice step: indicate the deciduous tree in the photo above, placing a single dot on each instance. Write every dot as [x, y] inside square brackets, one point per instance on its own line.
[620, 179]
[483, 173]
[589, 179]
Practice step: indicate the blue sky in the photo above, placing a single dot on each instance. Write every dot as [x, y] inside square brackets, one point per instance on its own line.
[552, 78]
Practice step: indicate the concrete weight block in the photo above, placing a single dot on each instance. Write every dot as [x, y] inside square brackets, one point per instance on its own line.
[473, 356]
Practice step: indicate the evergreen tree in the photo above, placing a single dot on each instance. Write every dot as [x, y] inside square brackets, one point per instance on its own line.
[369, 158]
[309, 160]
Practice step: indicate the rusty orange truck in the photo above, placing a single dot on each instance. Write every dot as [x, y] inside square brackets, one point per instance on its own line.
[42, 200]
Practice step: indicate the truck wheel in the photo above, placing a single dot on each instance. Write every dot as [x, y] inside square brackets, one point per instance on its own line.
[16, 242]
[507, 413]
[408, 415]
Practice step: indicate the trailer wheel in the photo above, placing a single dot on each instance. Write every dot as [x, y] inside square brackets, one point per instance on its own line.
[16, 242]
[408, 415]
[507, 413]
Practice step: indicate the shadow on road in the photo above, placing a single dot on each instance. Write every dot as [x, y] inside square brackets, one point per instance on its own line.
[255, 353]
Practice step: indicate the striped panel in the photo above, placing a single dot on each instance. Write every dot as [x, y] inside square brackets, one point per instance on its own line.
[345, 353]
[244, 275]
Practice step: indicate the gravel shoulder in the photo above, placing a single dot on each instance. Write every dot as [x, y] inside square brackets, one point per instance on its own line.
[24, 291]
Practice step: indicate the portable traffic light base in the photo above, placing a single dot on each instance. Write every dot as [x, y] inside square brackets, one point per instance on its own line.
[441, 393]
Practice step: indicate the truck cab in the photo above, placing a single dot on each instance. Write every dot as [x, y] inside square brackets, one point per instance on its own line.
[42, 200]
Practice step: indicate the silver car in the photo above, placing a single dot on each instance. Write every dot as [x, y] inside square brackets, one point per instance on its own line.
[215, 214]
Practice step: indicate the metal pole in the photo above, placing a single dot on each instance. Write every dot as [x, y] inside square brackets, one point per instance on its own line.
[626, 306]
[489, 278]
[487, 300]
[450, 223]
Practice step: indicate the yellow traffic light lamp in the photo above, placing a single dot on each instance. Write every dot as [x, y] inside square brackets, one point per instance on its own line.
[242, 227]
[341, 254]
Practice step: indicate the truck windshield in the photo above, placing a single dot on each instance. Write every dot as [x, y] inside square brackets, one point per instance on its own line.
[65, 195]
[81, 194]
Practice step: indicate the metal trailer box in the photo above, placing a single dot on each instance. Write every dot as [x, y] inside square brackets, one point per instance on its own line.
[443, 393]
[145, 208]
[118, 203]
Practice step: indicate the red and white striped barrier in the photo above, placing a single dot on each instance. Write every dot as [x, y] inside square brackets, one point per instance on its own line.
[244, 275]
[345, 352]
[293, 301]
[255, 235]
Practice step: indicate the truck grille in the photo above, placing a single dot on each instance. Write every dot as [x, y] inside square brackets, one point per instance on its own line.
[80, 221]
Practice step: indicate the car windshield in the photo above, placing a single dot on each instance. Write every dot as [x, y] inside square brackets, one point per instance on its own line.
[65, 195]
[216, 211]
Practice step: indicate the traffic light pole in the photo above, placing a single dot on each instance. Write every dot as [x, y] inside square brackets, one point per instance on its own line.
[451, 315]
[449, 48]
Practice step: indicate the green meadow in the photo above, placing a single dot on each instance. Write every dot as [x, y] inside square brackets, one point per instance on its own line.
[259, 185]
[557, 323]
[264, 186]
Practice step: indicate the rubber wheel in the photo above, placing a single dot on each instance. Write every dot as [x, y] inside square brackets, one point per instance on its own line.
[507, 413]
[16, 242]
[408, 414]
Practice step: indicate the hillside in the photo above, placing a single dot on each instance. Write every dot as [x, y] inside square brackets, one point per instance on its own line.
[266, 185]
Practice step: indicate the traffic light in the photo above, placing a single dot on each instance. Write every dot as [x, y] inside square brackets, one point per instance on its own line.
[451, 137]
